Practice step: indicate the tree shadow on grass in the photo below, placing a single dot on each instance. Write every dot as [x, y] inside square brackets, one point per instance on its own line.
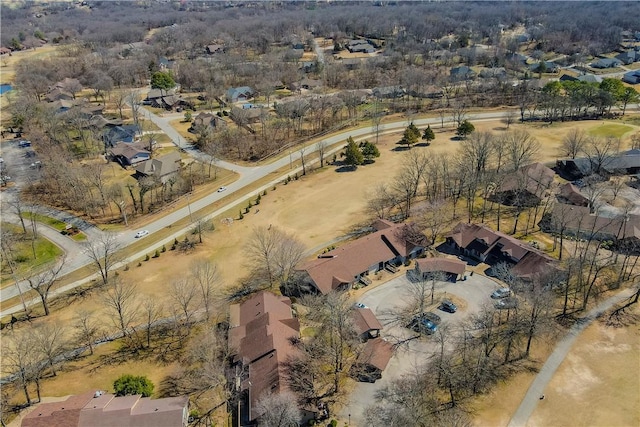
[346, 168]
[401, 148]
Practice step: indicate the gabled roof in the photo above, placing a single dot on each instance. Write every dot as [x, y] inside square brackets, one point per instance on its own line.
[579, 219]
[169, 163]
[571, 193]
[343, 264]
[447, 265]
[129, 151]
[58, 414]
[236, 92]
[365, 320]
[377, 353]
[535, 178]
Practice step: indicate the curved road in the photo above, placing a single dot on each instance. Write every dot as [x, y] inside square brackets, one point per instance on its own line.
[531, 399]
[248, 175]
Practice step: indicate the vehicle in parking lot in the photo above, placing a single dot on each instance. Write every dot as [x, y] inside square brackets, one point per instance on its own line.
[423, 325]
[432, 317]
[448, 306]
[24, 143]
[501, 293]
[506, 304]
[221, 189]
[141, 233]
[359, 305]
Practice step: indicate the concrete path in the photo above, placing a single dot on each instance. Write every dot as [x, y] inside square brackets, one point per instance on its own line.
[537, 388]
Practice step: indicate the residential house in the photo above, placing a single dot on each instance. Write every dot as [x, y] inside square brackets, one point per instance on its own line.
[493, 247]
[155, 94]
[493, 73]
[632, 77]
[625, 163]
[243, 116]
[525, 187]
[129, 154]
[161, 168]
[372, 360]
[461, 73]
[549, 67]
[606, 63]
[340, 268]
[165, 64]
[366, 323]
[431, 92]
[99, 121]
[209, 120]
[309, 66]
[622, 230]
[5, 51]
[389, 92]
[628, 57]
[308, 84]
[570, 194]
[261, 334]
[100, 409]
[360, 46]
[452, 267]
[58, 94]
[237, 94]
[212, 49]
[123, 133]
[589, 78]
[351, 63]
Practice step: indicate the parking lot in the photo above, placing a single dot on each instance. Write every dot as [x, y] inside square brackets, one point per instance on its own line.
[384, 301]
[20, 163]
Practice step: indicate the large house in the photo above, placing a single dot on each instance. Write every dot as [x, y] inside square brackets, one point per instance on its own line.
[625, 163]
[570, 194]
[209, 120]
[262, 330]
[453, 268]
[632, 77]
[607, 63]
[525, 187]
[161, 168]
[339, 268]
[99, 409]
[129, 154]
[493, 247]
[237, 94]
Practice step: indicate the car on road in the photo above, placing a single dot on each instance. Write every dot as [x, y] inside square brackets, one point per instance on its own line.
[448, 306]
[359, 305]
[141, 233]
[221, 189]
[506, 304]
[501, 293]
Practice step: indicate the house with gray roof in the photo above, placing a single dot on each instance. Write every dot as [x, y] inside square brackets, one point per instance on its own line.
[242, 93]
[628, 57]
[161, 168]
[632, 77]
[606, 63]
[461, 73]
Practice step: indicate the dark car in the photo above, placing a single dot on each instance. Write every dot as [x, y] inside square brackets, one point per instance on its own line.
[423, 325]
[432, 317]
[448, 306]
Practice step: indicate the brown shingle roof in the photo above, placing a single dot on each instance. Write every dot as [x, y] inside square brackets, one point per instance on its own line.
[109, 410]
[376, 352]
[365, 320]
[343, 264]
[65, 413]
[448, 265]
[571, 194]
[534, 178]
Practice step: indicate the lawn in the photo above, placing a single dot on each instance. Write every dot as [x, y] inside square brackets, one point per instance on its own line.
[610, 130]
[54, 223]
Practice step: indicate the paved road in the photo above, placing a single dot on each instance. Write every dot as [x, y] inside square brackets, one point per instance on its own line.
[531, 399]
[248, 175]
[410, 356]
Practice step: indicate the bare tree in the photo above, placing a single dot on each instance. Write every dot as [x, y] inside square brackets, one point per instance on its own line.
[321, 148]
[381, 201]
[574, 143]
[184, 294]
[278, 410]
[521, 148]
[205, 274]
[51, 343]
[151, 312]
[121, 302]
[20, 357]
[433, 219]
[104, 254]
[509, 118]
[87, 329]
[43, 282]
[601, 152]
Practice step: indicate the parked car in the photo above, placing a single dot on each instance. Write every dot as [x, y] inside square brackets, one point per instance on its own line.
[448, 306]
[501, 293]
[141, 233]
[506, 304]
[432, 317]
[423, 325]
[24, 143]
[359, 305]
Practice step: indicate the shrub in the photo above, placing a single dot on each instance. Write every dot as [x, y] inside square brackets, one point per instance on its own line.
[146, 257]
[126, 267]
[128, 385]
[139, 264]
[157, 254]
[240, 216]
[164, 248]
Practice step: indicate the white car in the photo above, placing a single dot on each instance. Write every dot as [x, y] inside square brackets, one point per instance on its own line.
[359, 305]
[221, 189]
[141, 233]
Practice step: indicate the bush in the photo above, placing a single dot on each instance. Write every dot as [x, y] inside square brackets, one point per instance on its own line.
[164, 248]
[146, 257]
[126, 267]
[264, 193]
[157, 254]
[240, 216]
[128, 385]
[139, 264]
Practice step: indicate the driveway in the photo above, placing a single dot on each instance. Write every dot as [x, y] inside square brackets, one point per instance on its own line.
[411, 356]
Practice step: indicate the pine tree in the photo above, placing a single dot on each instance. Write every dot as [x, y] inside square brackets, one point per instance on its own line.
[353, 156]
[428, 134]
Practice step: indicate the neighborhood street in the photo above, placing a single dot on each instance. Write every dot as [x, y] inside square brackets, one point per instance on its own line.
[413, 354]
[248, 175]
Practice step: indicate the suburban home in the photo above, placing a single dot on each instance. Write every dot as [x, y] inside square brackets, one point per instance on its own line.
[243, 116]
[155, 94]
[307, 84]
[360, 47]
[628, 57]
[389, 92]
[431, 92]
[495, 73]
[525, 187]
[624, 163]
[309, 66]
[100, 409]
[261, 335]
[606, 63]
[549, 67]
[208, 120]
[129, 154]
[570, 194]
[338, 269]
[461, 73]
[351, 63]
[366, 324]
[493, 247]
[212, 49]
[161, 168]
[58, 94]
[632, 77]
[452, 267]
[372, 360]
[237, 94]
[123, 133]
[568, 220]
[589, 78]
[165, 64]
[99, 121]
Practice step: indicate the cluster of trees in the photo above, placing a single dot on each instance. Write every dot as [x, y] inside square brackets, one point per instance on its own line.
[358, 154]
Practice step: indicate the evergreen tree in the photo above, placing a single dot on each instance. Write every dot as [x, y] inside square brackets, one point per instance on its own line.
[428, 134]
[353, 156]
[369, 151]
[465, 129]
[410, 136]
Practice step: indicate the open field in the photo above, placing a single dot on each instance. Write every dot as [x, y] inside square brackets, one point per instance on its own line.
[610, 129]
[8, 63]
